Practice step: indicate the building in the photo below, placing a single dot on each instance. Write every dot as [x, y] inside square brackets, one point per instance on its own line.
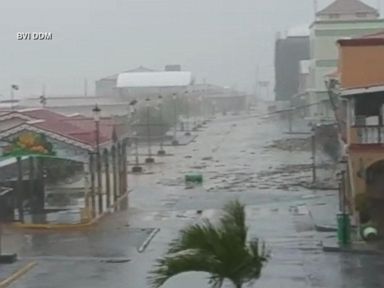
[31, 135]
[360, 75]
[142, 82]
[289, 51]
[107, 86]
[341, 19]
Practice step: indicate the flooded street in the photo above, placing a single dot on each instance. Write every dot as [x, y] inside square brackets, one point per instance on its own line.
[232, 154]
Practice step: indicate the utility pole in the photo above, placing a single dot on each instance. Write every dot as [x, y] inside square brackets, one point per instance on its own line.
[96, 110]
[175, 142]
[315, 7]
[149, 159]
[314, 178]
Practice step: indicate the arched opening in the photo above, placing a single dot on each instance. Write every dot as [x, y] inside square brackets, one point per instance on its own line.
[375, 194]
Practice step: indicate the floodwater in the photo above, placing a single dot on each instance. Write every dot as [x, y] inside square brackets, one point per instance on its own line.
[231, 153]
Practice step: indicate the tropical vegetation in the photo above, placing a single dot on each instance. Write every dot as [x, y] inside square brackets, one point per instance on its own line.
[220, 249]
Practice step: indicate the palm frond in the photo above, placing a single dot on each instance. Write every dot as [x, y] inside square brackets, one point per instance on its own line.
[234, 218]
[220, 250]
[185, 261]
[202, 236]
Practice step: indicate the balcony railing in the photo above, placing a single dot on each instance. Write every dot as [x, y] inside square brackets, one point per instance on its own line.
[369, 134]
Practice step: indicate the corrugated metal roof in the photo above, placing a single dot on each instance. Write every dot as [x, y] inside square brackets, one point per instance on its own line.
[347, 7]
[154, 79]
[81, 129]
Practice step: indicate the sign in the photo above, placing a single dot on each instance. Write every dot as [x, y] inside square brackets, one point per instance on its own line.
[29, 143]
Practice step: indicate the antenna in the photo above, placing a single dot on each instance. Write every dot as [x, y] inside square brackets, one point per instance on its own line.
[85, 87]
[315, 7]
[43, 90]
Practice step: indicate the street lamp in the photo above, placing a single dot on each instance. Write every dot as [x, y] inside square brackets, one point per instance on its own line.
[149, 159]
[175, 142]
[187, 133]
[96, 116]
[160, 102]
[137, 168]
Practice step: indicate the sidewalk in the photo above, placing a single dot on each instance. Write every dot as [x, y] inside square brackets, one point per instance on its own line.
[9, 273]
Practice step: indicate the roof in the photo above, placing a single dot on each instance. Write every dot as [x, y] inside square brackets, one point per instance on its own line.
[334, 74]
[140, 69]
[78, 129]
[298, 31]
[374, 39]
[347, 7]
[154, 79]
[362, 90]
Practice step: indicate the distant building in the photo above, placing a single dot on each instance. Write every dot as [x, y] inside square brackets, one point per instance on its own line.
[341, 19]
[141, 83]
[173, 67]
[289, 51]
[106, 87]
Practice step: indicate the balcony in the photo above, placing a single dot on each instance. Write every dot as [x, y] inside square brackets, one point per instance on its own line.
[373, 134]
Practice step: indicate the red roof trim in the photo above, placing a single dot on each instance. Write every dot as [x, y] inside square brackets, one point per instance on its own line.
[361, 42]
[366, 147]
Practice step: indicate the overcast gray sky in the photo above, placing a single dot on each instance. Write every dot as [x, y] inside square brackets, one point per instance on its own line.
[221, 40]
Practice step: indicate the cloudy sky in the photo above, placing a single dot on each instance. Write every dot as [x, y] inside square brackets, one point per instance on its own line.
[223, 41]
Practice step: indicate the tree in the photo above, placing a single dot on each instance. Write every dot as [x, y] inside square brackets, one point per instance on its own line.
[220, 249]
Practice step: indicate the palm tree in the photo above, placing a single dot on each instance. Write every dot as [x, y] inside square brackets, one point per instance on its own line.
[221, 250]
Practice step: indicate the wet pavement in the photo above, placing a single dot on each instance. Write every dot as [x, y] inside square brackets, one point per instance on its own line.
[231, 155]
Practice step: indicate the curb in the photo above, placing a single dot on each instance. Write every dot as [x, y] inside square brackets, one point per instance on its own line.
[71, 226]
[321, 228]
[338, 249]
[19, 273]
[147, 241]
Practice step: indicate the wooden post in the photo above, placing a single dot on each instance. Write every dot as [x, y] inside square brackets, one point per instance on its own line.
[314, 178]
[107, 178]
[92, 174]
[19, 190]
[114, 172]
[125, 170]
[32, 185]
[119, 165]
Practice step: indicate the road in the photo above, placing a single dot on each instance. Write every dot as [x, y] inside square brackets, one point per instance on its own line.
[231, 154]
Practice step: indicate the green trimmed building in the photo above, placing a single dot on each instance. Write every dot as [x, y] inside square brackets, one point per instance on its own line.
[341, 19]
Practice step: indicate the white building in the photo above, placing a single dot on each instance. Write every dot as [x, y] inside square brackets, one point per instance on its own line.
[341, 19]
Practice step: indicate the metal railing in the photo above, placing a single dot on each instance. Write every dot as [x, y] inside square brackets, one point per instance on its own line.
[370, 134]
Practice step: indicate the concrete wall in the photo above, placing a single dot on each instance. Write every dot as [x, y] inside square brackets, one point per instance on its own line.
[361, 66]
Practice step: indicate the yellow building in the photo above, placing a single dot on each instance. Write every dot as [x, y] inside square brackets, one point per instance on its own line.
[361, 70]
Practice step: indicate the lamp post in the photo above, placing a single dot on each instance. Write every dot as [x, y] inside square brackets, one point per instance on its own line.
[96, 114]
[313, 144]
[160, 102]
[149, 159]
[136, 168]
[187, 133]
[174, 97]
